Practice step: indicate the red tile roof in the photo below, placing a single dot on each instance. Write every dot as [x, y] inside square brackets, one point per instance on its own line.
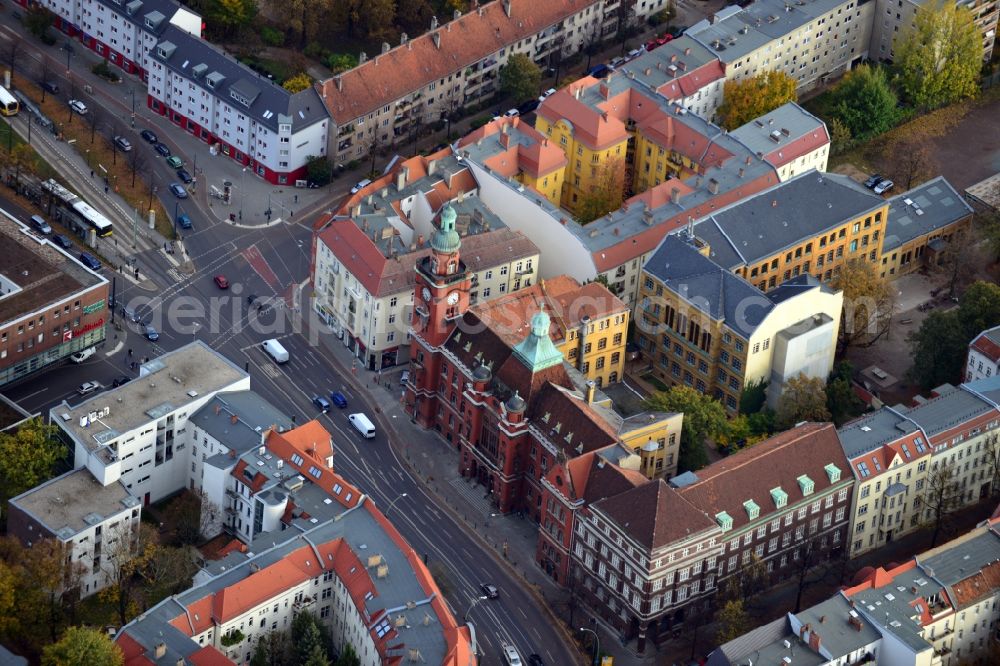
[985, 345]
[537, 158]
[802, 145]
[285, 445]
[133, 651]
[776, 462]
[462, 43]
[593, 128]
[209, 656]
[980, 584]
[693, 81]
[655, 514]
[588, 477]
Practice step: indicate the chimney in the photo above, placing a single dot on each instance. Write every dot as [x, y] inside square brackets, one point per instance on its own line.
[437, 39]
[675, 195]
[434, 22]
[687, 51]
[748, 160]
[577, 92]
[160, 650]
[403, 38]
[362, 58]
[741, 172]
[604, 115]
[774, 203]
[420, 240]
[591, 388]
[647, 71]
[647, 217]
[815, 641]
[604, 90]
[340, 82]
[432, 167]
[218, 408]
[713, 186]
[234, 419]
[456, 15]
[506, 7]
[385, 47]
[401, 177]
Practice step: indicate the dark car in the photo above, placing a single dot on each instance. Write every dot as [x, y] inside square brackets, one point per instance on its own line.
[183, 221]
[338, 399]
[599, 72]
[131, 314]
[490, 591]
[162, 149]
[152, 334]
[62, 241]
[124, 379]
[184, 176]
[178, 191]
[873, 180]
[50, 87]
[149, 136]
[528, 106]
[90, 261]
[321, 403]
[535, 660]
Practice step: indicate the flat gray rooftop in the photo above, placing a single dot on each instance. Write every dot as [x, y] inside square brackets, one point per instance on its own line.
[757, 134]
[923, 210]
[253, 415]
[872, 431]
[951, 407]
[74, 502]
[164, 384]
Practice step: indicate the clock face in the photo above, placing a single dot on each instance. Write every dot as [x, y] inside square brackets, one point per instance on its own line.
[426, 294]
[453, 298]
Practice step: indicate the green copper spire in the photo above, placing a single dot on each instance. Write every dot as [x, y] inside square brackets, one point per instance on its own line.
[537, 351]
[445, 239]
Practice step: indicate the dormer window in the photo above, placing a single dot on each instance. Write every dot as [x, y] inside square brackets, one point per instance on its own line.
[780, 497]
[833, 472]
[725, 521]
[753, 511]
[806, 484]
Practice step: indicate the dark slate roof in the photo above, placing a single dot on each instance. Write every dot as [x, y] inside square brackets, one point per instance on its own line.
[707, 286]
[795, 286]
[580, 428]
[143, 8]
[654, 514]
[253, 416]
[783, 216]
[271, 104]
[923, 210]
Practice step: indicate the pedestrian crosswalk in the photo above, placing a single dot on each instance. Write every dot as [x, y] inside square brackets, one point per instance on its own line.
[175, 275]
[474, 496]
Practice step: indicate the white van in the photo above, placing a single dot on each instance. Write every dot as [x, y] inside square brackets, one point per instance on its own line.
[363, 425]
[275, 351]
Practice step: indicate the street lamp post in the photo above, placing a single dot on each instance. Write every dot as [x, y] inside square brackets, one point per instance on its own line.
[597, 644]
[392, 503]
[473, 605]
[492, 515]
[243, 180]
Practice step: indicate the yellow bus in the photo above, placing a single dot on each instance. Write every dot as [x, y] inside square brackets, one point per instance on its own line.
[8, 103]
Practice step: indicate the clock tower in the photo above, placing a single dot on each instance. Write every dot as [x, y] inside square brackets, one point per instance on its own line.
[441, 291]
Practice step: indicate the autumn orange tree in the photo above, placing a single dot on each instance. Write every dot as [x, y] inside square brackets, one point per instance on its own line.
[753, 97]
[606, 192]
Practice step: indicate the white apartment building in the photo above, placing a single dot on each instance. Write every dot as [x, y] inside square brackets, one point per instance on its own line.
[244, 115]
[339, 558]
[892, 18]
[456, 64]
[83, 515]
[789, 138]
[138, 435]
[897, 455]
[365, 254]
[984, 355]
[810, 40]
[123, 31]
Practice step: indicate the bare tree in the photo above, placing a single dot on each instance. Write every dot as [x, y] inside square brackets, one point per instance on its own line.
[993, 463]
[962, 256]
[913, 161]
[12, 53]
[44, 69]
[94, 118]
[126, 558]
[942, 495]
[746, 583]
[136, 162]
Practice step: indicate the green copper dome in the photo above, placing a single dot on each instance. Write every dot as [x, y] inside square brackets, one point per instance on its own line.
[445, 239]
[537, 351]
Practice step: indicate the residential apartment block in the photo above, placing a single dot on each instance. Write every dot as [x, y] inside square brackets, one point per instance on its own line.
[364, 255]
[810, 40]
[387, 96]
[588, 326]
[789, 138]
[312, 542]
[123, 32]
[650, 555]
[703, 326]
[984, 355]
[86, 517]
[938, 609]
[921, 225]
[51, 306]
[892, 18]
[138, 435]
[905, 457]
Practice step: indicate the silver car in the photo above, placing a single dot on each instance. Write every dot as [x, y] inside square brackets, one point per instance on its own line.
[87, 388]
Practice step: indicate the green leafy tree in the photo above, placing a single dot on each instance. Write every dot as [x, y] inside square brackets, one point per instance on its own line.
[307, 639]
[754, 396]
[803, 399]
[319, 170]
[840, 135]
[979, 309]
[38, 19]
[605, 194]
[520, 78]
[341, 62]
[864, 103]
[83, 646]
[733, 621]
[704, 417]
[841, 400]
[298, 83]
[348, 657]
[230, 15]
[940, 57]
[28, 457]
[9, 577]
[742, 101]
[938, 349]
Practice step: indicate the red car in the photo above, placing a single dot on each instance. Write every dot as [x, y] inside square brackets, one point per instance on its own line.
[221, 281]
[658, 41]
